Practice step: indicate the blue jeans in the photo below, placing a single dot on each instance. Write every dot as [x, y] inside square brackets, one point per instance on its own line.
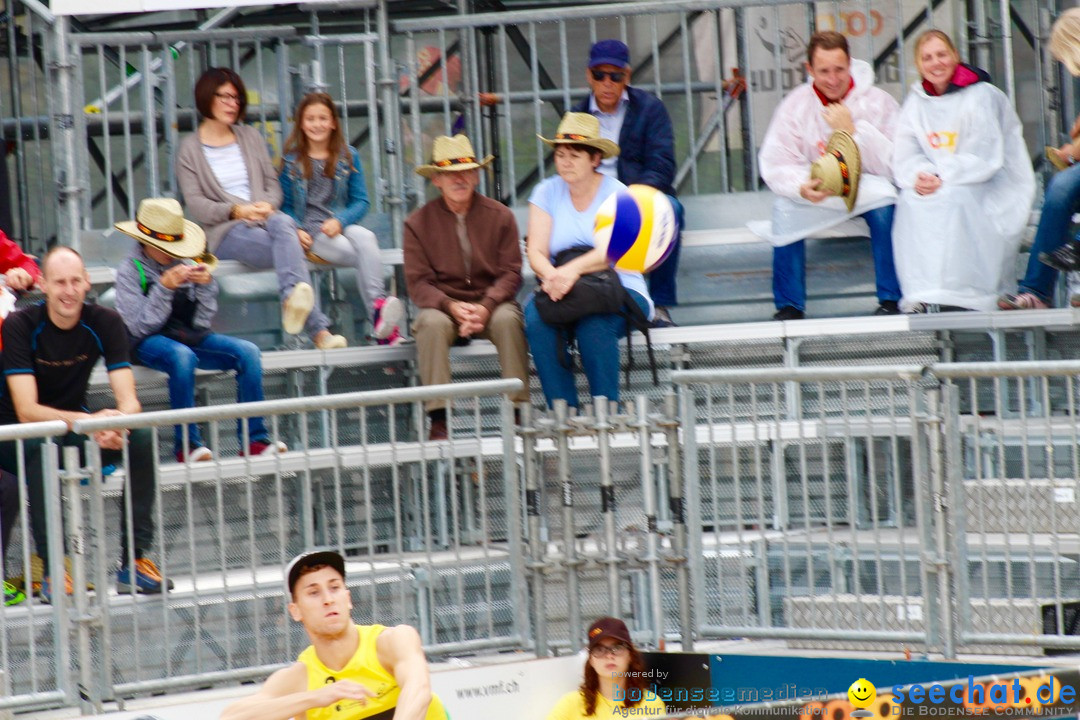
[215, 352]
[789, 263]
[662, 286]
[1059, 203]
[597, 339]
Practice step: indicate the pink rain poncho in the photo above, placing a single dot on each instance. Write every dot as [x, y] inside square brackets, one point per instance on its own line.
[796, 137]
[958, 245]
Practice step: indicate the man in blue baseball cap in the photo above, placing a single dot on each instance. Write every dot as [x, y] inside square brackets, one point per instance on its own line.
[640, 124]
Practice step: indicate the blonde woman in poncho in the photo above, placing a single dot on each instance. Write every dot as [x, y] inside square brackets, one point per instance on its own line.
[966, 184]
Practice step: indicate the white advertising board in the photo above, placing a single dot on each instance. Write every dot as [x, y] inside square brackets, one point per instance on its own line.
[109, 7]
[524, 690]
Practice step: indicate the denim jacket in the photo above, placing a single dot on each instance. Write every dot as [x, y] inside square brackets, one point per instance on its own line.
[350, 202]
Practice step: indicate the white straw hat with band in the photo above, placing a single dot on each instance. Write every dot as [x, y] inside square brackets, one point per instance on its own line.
[452, 154]
[577, 128]
[160, 223]
[839, 168]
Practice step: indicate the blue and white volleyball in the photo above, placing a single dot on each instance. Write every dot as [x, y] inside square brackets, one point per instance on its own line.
[636, 228]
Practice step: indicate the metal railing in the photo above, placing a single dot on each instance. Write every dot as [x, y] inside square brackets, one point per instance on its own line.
[932, 507]
[869, 507]
[431, 531]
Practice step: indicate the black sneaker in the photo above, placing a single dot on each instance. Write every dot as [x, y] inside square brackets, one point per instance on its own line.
[888, 307]
[662, 319]
[789, 312]
[1066, 258]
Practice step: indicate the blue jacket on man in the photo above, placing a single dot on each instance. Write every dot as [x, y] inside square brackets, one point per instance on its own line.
[646, 142]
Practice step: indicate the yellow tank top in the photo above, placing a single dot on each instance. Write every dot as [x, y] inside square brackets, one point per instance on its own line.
[363, 668]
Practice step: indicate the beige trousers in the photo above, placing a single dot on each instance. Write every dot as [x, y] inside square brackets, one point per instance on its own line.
[435, 332]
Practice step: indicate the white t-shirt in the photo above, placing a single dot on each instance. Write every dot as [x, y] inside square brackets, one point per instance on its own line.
[229, 168]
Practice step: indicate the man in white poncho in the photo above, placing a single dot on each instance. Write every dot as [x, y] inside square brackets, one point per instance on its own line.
[966, 184]
[840, 95]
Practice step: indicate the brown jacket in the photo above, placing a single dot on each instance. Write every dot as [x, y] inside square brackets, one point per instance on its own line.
[434, 268]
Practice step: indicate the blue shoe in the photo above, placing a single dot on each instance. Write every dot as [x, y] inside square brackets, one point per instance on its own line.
[12, 595]
[146, 579]
[45, 590]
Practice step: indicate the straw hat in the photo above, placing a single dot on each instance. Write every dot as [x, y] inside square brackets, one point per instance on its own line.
[160, 224]
[838, 168]
[577, 128]
[452, 154]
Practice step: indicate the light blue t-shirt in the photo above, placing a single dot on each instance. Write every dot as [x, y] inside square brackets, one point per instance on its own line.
[571, 228]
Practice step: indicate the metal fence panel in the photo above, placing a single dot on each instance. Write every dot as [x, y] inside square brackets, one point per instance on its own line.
[812, 492]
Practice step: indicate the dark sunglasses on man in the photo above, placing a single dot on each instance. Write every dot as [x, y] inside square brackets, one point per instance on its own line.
[616, 76]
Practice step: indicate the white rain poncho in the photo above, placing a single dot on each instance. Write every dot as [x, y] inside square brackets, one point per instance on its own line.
[958, 245]
[796, 138]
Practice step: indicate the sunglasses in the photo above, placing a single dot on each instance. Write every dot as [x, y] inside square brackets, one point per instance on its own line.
[616, 77]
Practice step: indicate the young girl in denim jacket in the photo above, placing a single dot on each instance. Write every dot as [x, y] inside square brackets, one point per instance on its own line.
[323, 186]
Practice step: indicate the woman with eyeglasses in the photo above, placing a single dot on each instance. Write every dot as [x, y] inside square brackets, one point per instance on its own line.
[230, 187]
[615, 683]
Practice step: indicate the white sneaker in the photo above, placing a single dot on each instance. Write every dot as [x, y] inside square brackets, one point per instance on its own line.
[389, 312]
[329, 341]
[297, 307]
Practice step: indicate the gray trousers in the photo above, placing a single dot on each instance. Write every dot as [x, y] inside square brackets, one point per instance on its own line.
[276, 245]
[356, 247]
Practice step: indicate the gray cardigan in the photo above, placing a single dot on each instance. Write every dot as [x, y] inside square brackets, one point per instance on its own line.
[207, 202]
[145, 315]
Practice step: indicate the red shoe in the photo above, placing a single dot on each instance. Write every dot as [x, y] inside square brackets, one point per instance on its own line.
[261, 447]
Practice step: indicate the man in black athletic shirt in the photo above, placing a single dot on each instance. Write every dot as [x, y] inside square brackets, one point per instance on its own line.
[49, 351]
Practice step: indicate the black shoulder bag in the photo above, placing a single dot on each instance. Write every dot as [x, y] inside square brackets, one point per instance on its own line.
[594, 293]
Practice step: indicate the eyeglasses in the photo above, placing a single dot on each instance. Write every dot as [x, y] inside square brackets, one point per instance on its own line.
[227, 97]
[616, 650]
[616, 77]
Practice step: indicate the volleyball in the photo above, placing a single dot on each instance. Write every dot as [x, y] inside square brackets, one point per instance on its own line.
[636, 228]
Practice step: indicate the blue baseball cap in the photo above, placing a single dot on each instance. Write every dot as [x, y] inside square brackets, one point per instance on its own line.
[609, 52]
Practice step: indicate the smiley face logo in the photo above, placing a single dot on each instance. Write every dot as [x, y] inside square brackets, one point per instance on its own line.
[862, 693]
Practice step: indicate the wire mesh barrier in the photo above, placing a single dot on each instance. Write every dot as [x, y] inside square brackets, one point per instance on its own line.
[865, 507]
[812, 488]
[430, 531]
[932, 507]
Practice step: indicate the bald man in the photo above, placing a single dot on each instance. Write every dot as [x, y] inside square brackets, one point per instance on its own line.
[49, 352]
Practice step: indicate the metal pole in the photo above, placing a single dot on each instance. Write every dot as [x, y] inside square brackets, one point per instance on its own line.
[391, 123]
[54, 533]
[89, 692]
[678, 514]
[62, 133]
[686, 509]
[570, 560]
[519, 592]
[652, 537]
[1007, 51]
[939, 499]
[537, 545]
[607, 501]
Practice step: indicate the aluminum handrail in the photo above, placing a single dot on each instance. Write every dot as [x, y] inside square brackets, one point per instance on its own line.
[24, 431]
[802, 374]
[289, 406]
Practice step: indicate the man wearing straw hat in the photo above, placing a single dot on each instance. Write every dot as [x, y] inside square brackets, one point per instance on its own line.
[853, 180]
[167, 298]
[463, 270]
[49, 352]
